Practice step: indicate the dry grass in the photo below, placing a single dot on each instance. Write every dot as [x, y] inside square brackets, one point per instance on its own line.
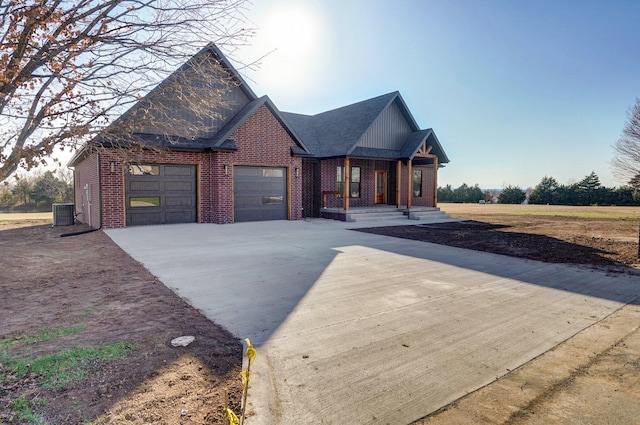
[17, 220]
[26, 216]
[613, 213]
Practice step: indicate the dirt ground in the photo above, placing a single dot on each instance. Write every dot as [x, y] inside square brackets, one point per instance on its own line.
[86, 281]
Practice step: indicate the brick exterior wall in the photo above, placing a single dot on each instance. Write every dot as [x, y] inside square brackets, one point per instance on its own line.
[426, 200]
[311, 195]
[261, 141]
[87, 210]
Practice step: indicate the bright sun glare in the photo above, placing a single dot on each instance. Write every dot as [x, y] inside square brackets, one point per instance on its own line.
[292, 33]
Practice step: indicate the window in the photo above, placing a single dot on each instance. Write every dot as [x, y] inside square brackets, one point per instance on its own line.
[272, 172]
[340, 179]
[354, 184]
[150, 201]
[354, 187]
[417, 183]
[272, 200]
[144, 170]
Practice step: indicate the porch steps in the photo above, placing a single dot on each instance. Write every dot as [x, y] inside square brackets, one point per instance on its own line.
[435, 215]
[375, 216]
[425, 215]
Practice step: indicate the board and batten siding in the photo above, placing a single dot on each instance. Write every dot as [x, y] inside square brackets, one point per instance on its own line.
[389, 131]
[234, 99]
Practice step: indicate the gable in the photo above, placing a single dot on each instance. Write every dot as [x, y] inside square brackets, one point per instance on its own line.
[389, 131]
[195, 102]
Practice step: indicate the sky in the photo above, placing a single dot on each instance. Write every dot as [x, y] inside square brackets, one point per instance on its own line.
[514, 90]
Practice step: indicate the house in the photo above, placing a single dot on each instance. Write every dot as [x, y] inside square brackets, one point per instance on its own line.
[257, 163]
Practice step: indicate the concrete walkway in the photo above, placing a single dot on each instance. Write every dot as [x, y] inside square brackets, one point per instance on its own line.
[367, 329]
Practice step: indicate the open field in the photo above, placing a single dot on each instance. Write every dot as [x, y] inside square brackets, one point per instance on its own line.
[600, 237]
[611, 213]
[15, 220]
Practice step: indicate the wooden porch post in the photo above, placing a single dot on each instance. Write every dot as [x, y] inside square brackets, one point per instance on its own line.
[398, 183]
[347, 178]
[435, 181]
[409, 183]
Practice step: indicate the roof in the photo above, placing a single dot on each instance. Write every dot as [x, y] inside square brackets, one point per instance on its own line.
[330, 134]
[336, 133]
[219, 141]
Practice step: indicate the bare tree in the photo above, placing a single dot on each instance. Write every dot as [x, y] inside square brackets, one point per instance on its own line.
[626, 162]
[69, 68]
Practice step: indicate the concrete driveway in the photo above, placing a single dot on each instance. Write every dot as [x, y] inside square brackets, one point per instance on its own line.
[366, 329]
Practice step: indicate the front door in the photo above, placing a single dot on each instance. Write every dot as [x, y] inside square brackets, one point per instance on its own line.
[381, 187]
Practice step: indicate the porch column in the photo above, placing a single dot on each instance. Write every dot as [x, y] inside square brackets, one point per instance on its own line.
[398, 183]
[409, 183]
[435, 181]
[347, 178]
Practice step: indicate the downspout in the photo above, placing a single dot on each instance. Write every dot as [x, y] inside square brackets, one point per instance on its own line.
[435, 181]
[409, 182]
[347, 188]
[100, 189]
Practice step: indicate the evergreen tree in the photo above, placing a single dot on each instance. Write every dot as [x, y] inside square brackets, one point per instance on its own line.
[586, 189]
[512, 195]
[544, 192]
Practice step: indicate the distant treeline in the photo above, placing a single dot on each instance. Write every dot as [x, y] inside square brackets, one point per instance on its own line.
[587, 191]
[36, 191]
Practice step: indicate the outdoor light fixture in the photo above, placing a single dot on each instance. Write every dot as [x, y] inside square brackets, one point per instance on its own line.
[112, 167]
[297, 170]
[226, 169]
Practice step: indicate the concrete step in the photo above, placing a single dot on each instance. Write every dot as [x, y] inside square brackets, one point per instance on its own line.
[376, 216]
[426, 216]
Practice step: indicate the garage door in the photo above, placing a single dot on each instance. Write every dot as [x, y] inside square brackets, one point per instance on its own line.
[260, 193]
[160, 194]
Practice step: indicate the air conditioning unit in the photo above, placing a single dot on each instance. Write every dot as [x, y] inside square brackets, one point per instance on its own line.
[63, 214]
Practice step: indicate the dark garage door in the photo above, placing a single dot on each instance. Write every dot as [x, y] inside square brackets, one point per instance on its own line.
[260, 193]
[160, 194]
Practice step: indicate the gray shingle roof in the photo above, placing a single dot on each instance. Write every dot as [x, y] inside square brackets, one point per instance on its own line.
[336, 133]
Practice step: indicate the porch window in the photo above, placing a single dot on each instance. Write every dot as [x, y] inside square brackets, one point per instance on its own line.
[354, 185]
[417, 183]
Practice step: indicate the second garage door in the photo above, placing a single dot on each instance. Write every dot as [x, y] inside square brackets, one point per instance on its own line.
[260, 193]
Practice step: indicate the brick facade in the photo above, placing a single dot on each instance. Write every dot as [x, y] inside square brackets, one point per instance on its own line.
[87, 191]
[261, 141]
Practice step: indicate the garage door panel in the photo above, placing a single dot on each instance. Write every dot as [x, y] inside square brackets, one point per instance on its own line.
[248, 187]
[260, 193]
[178, 170]
[179, 217]
[178, 201]
[247, 201]
[142, 218]
[166, 196]
[178, 186]
[274, 187]
[144, 185]
[247, 172]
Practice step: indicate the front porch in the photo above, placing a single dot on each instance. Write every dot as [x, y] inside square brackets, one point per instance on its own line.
[385, 212]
